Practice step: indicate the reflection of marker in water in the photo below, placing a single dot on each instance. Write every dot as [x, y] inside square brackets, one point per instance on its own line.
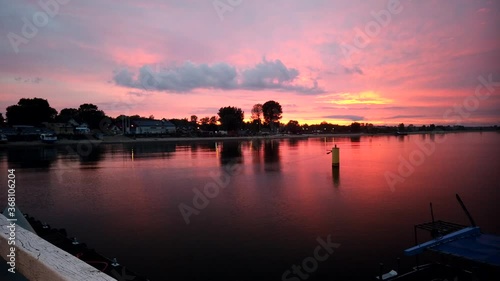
[336, 176]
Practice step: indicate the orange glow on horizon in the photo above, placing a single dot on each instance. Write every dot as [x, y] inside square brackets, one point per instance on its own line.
[367, 97]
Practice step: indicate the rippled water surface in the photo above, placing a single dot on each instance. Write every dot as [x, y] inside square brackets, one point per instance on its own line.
[268, 200]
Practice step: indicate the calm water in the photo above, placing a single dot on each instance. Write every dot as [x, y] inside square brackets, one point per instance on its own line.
[123, 200]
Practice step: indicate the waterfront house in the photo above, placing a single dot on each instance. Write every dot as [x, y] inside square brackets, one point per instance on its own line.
[83, 129]
[69, 128]
[8, 131]
[60, 128]
[140, 127]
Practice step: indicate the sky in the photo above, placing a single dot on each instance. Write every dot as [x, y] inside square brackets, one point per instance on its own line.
[383, 62]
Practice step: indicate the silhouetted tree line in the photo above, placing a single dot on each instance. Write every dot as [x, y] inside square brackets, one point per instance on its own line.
[264, 117]
[30, 112]
[36, 111]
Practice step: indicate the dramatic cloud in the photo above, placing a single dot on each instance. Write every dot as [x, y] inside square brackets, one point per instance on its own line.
[185, 78]
[266, 75]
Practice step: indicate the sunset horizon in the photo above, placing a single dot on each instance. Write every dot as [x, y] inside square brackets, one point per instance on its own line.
[250, 140]
[383, 62]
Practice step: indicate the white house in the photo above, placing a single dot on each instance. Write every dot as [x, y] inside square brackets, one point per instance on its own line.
[82, 129]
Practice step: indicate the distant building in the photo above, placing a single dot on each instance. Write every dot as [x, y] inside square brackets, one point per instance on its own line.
[73, 123]
[141, 127]
[69, 128]
[82, 129]
[27, 130]
[114, 129]
[8, 131]
[60, 128]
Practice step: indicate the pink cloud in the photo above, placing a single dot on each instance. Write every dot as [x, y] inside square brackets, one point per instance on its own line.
[426, 59]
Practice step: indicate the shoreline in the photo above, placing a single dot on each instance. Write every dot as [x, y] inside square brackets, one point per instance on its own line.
[120, 139]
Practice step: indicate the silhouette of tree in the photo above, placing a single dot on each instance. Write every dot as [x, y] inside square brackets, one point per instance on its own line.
[2, 120]
[30, 112]
[256, 122]
[135, 117]
[293, 126]
[90, 114]
[401, 127]
[231, 118]
[194, 120]
[205, 120]
[205, 123]
[213, 123]
[254, 125]
[369, 127]
[181, 123]
[67, 114]
[272, 113]
[355, 127]
[257, 111]
[213, 120]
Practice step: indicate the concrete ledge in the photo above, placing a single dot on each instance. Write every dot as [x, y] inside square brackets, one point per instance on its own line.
[37, 259]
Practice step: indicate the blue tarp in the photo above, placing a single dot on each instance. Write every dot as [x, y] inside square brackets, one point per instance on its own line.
[483, 248]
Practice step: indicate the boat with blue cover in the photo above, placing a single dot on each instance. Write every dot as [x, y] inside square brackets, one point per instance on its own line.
[460, 252]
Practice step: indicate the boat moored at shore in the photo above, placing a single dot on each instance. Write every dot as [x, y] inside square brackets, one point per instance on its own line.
[48, 138]
[463, 252]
